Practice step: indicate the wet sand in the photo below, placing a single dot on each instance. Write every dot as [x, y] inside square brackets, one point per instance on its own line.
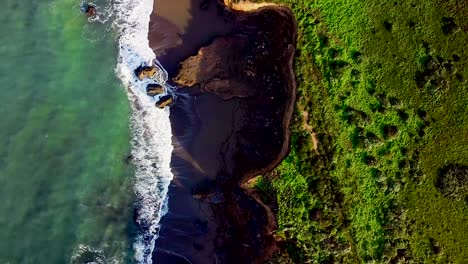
[178, 28]
[211, 219]
[190, 226]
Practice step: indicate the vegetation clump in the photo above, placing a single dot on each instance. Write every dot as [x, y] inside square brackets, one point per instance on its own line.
[453, 181]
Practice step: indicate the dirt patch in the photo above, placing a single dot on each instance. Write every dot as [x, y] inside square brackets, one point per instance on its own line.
[245, 5]
[309, 129]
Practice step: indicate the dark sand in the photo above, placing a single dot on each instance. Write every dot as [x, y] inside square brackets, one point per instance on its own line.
[179, 27]
[210, 218]
[190, 226]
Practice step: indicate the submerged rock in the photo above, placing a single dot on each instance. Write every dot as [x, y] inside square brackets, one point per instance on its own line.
[129, 159]
[165, 101]
[154, 89]
[89, 9]
[146, 72]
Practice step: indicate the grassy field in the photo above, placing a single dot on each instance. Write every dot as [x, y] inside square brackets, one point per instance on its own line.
[378, 167]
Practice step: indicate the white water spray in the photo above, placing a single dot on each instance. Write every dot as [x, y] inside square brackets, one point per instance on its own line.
[151, 129]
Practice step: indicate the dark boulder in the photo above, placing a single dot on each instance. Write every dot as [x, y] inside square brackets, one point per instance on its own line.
[166, 100]
[143, 72]
[154, 89]
[89, 9]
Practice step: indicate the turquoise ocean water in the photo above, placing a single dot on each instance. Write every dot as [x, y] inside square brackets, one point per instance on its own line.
[65, 188]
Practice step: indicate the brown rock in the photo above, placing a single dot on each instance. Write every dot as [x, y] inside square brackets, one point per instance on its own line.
[154, 89]
[219, 68]
[166, 100]
[89, 9]
[146, 72]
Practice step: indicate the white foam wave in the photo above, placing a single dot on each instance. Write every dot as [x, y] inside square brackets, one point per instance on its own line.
[90, 255]
[151, 130]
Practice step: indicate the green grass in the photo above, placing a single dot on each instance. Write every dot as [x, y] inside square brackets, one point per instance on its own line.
[384, 86]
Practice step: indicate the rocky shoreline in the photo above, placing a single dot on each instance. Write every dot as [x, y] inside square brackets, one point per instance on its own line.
[246, 76]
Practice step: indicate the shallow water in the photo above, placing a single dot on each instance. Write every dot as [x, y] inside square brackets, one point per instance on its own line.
[65, 188]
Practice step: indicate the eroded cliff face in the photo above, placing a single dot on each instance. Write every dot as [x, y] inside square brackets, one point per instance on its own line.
[218, 68]
[253, 66]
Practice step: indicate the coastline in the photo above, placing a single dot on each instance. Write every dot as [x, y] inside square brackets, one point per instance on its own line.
[208, 186]
[150, 126]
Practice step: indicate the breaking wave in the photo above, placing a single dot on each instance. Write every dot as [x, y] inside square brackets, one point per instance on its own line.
[151, 129]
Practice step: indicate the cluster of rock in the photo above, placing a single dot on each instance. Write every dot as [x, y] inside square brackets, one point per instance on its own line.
[142, 72]
[154, 89]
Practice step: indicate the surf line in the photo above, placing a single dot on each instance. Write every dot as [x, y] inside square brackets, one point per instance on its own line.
[144, 80]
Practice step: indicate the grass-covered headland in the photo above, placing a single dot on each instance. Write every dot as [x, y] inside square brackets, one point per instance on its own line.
[378, 169]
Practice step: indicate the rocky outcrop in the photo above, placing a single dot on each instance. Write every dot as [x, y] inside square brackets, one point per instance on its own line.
[154, 89]
[164, 101]
[143, 72]
[219, 67]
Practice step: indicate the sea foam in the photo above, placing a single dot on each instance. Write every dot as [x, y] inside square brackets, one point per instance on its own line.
[151, 129]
